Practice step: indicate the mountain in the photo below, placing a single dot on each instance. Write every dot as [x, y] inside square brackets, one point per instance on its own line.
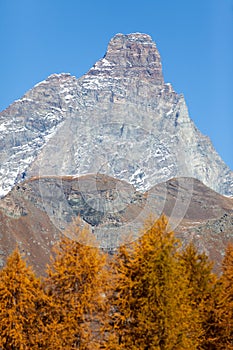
[113, 147]
[35, 213]
[120, 119]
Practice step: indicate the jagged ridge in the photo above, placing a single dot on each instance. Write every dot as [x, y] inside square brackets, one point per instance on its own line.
[120, 119]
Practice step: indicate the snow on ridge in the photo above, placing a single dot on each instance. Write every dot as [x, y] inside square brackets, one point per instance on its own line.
[40, 83]
[3, 127]
[106, 63]
[54, 76]
[58, 75]
[100, 81]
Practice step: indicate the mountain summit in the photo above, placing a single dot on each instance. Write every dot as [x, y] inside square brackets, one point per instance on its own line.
[120, 119]
[133, 55]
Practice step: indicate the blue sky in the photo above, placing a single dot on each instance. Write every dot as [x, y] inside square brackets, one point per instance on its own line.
[195, 40]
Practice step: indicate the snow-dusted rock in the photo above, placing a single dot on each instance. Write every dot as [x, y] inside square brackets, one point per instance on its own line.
[119, 119]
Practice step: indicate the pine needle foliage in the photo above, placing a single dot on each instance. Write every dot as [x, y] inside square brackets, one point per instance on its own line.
[224, 304]
[201, 283]
[22, 322]
[151, 301]
[150, 295]
[77, 281]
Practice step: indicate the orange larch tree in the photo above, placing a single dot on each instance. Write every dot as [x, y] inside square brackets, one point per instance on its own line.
[224, 304]
[77, 281]
[151, 305]
[22, 318]
[202, 286]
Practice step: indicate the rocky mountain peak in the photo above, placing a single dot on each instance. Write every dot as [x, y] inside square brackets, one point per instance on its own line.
[132, 55]
[119, 119]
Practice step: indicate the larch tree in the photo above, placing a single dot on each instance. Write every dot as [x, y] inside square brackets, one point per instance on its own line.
[151, 308]
[117, 328]
[77, 281]
[201, 283]
[224, 304]
[22, 301]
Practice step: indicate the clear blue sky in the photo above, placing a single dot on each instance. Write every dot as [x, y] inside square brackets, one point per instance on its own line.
[195, 40]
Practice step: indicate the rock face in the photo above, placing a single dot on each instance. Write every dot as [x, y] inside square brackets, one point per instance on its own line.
[119, 119]
[34, 214]
[132, 56]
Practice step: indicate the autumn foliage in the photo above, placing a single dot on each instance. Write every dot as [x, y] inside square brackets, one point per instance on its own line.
[24, 307]
[76, 282]
[153, 308]
[152, 294]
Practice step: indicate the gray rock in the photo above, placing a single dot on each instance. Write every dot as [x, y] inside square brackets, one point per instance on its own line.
[119, 119]
[35, 214]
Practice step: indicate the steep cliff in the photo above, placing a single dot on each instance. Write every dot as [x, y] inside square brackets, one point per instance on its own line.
[119, 119]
